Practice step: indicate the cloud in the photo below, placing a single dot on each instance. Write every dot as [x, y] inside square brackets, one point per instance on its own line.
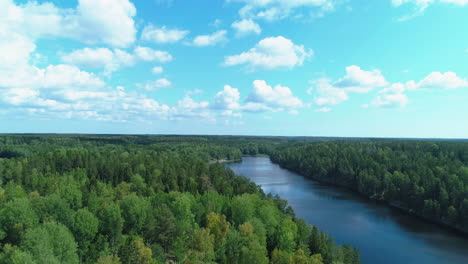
[92, 21]
[271, 53]
[361, 81]
[149, 54]
[227, 99]
[327, 93]
[437, 80]
[356, 80]
[210, 40]
[155, 85]
[265, 97]
[271, 10]
[421, 5]
[162, 35]
[245, 27]
[392, 96]
[187, 108]
[113, 60]
[157, 70]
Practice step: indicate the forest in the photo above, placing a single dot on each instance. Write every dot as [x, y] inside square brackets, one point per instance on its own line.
[427, 178]
[157, 199]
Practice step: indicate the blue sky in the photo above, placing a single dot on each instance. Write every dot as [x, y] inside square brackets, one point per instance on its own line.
[355, 68]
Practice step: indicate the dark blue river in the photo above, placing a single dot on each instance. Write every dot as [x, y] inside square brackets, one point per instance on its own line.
[383, 235]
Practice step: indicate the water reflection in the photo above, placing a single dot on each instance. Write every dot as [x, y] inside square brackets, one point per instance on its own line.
[382, 234]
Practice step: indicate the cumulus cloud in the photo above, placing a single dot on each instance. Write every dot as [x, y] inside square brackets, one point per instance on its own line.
[155, 85]
[113, 60]
[437, 80]
[265, 97]
[162, 35]
[271, 10]
[271, 53]
[392, 96]
[210, 40]
[149, 54]
[227, 99]
[92, 21]
[395, 95]
[327, 93]
[245, 27]
[356, 80]
[361, 81]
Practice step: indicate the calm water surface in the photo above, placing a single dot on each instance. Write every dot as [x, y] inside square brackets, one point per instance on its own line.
[383, 235]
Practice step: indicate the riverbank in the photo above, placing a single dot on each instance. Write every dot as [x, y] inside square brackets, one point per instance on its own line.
[392, 204]
[382, 234]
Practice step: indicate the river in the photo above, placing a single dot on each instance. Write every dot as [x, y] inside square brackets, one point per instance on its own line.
[382, 234]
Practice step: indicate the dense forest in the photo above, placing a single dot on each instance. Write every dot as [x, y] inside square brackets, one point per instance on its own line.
[428, 178]
[148, 199]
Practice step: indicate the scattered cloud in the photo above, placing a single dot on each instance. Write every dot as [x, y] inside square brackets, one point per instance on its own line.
[271, 53]
[162, 35]
[265, 97]
[155, 85]
[157, 70]
[421, 5]
[356, 80]
[217, 37]
[149, 54]
[113, 60]
[246, 27]
[437, 80]
[227, 99]
[361, 81]
[92, 21]
[392, 96]
[271, 10]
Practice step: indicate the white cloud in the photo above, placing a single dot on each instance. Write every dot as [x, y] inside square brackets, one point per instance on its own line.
[356, 80]
[422, 5]
[157, 70]
[149, 54]
[271, 53]
[210, 40]
[437, 80]
[92, 21]
[266, 97]
[155, 85]
[361, 81]
[323, 110]
[162, 34]
[327, 93]
[227, 99]
[245, 27]
[271, 10]
[189, 108]
[390, 100]
[113, 60]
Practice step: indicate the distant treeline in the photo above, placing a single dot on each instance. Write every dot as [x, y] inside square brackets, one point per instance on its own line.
[146, 199]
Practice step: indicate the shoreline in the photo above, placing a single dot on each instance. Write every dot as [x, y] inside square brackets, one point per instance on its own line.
[390, 204]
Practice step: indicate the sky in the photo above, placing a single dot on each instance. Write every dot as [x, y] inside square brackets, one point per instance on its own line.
[347, 68]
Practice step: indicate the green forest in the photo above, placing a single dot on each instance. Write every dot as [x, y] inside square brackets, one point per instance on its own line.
[153, 199]
[427, 178]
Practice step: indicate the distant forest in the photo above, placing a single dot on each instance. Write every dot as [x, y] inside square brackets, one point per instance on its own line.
[147, 199]
[166, 199]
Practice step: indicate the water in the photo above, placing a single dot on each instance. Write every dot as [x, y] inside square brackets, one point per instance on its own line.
[383, 235]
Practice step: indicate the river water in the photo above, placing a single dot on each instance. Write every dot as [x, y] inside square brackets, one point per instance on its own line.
[382, 234]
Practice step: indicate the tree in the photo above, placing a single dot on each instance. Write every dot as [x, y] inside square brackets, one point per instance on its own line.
[84, 227]
[15, 218]
[50, 243]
